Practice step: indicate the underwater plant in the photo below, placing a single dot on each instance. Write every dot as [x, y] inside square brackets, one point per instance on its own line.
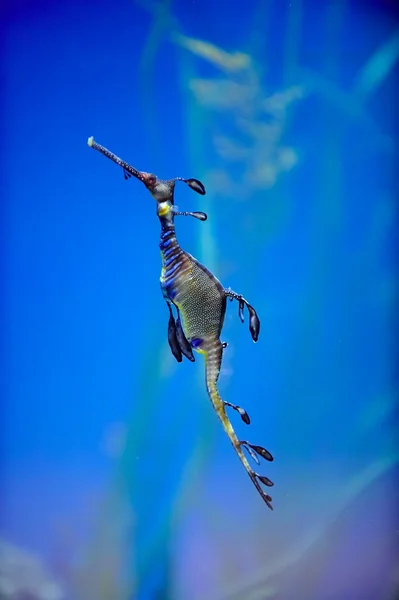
[23, 576]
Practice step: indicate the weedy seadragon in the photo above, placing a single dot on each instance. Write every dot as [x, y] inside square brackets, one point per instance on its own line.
[199, 301]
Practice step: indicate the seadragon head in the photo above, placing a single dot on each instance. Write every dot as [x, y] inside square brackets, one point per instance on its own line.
[161, 190]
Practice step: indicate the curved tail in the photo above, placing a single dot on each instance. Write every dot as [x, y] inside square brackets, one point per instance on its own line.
[213, 360]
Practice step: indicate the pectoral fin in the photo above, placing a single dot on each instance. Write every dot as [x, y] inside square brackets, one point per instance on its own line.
[254, 323]
[172, 337]
[183, 342]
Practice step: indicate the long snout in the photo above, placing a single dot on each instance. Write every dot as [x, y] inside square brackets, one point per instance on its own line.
[125, 166]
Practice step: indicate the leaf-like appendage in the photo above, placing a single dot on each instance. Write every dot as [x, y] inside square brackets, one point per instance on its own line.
[196, 185]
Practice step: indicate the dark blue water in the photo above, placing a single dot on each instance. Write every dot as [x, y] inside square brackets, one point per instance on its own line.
[114, 466]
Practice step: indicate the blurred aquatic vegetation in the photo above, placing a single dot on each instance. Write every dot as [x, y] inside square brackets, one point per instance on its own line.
[23, 576]
[247, 124]
[244, 123]
[379, 66]
[255, 149]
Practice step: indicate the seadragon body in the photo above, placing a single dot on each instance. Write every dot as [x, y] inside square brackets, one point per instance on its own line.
[199, 301]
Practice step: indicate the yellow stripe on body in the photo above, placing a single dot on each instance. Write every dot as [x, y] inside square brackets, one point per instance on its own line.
[164, 208]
